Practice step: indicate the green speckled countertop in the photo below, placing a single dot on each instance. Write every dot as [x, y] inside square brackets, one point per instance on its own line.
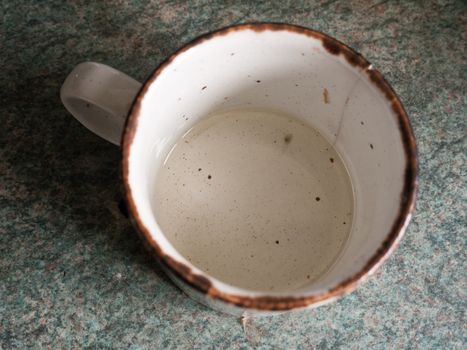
[74, 274]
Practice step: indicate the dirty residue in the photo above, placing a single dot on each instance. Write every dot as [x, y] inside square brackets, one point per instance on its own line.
[229, 177]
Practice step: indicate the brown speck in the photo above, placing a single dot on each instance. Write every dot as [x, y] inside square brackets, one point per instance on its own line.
[88, 105]
[362, 123]
[326, 96]
[277, 242]
[371, 145]
[344, 223]
[275, 141]
[252, 256]
[308, 276]
[226, 98]
[288, 138]
[204, 87]
[199, 169]
[209, 177]
[258, 81]
[318, 199]
[296, 84]
[331, 160]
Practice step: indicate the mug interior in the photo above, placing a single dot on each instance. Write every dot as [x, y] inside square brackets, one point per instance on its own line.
[302, 75]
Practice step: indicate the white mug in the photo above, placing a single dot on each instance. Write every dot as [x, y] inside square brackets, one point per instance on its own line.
[339, 93]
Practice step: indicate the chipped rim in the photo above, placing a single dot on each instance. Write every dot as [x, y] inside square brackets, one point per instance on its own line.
[407, 201]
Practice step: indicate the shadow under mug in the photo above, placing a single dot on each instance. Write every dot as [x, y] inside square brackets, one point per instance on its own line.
[303, 73]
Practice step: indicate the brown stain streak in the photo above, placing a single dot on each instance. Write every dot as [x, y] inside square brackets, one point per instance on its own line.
[326, 96]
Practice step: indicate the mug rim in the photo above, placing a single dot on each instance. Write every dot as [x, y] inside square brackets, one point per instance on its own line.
[201, 282]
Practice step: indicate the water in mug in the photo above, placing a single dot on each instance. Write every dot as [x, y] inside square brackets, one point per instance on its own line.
[256, 199]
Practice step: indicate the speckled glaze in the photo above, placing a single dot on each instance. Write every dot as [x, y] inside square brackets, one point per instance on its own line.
[274, 66]
[292, 69]
[73, 273]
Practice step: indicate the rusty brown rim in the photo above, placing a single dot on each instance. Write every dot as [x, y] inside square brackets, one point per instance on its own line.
[407, 200]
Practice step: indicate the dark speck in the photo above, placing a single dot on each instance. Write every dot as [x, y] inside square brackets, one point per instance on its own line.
[371, 145]
[318, 199]
[288, 138]
[258, 81]
[233, 53]
[209, 177]
[362, 123]
[343, 223]
[204, 87]
[331, 160]
[88, 105]
[199, 169]
[308, 276]
[277, 242]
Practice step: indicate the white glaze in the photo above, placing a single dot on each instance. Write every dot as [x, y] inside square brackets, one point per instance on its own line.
[292, 73]
[99, 97]
[294, 70]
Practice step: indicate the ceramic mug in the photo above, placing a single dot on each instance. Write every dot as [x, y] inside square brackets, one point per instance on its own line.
[351, 105]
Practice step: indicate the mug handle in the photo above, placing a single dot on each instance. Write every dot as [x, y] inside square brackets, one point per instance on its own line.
[100, 98]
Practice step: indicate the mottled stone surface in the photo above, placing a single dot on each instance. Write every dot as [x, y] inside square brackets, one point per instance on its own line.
[74, 274]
